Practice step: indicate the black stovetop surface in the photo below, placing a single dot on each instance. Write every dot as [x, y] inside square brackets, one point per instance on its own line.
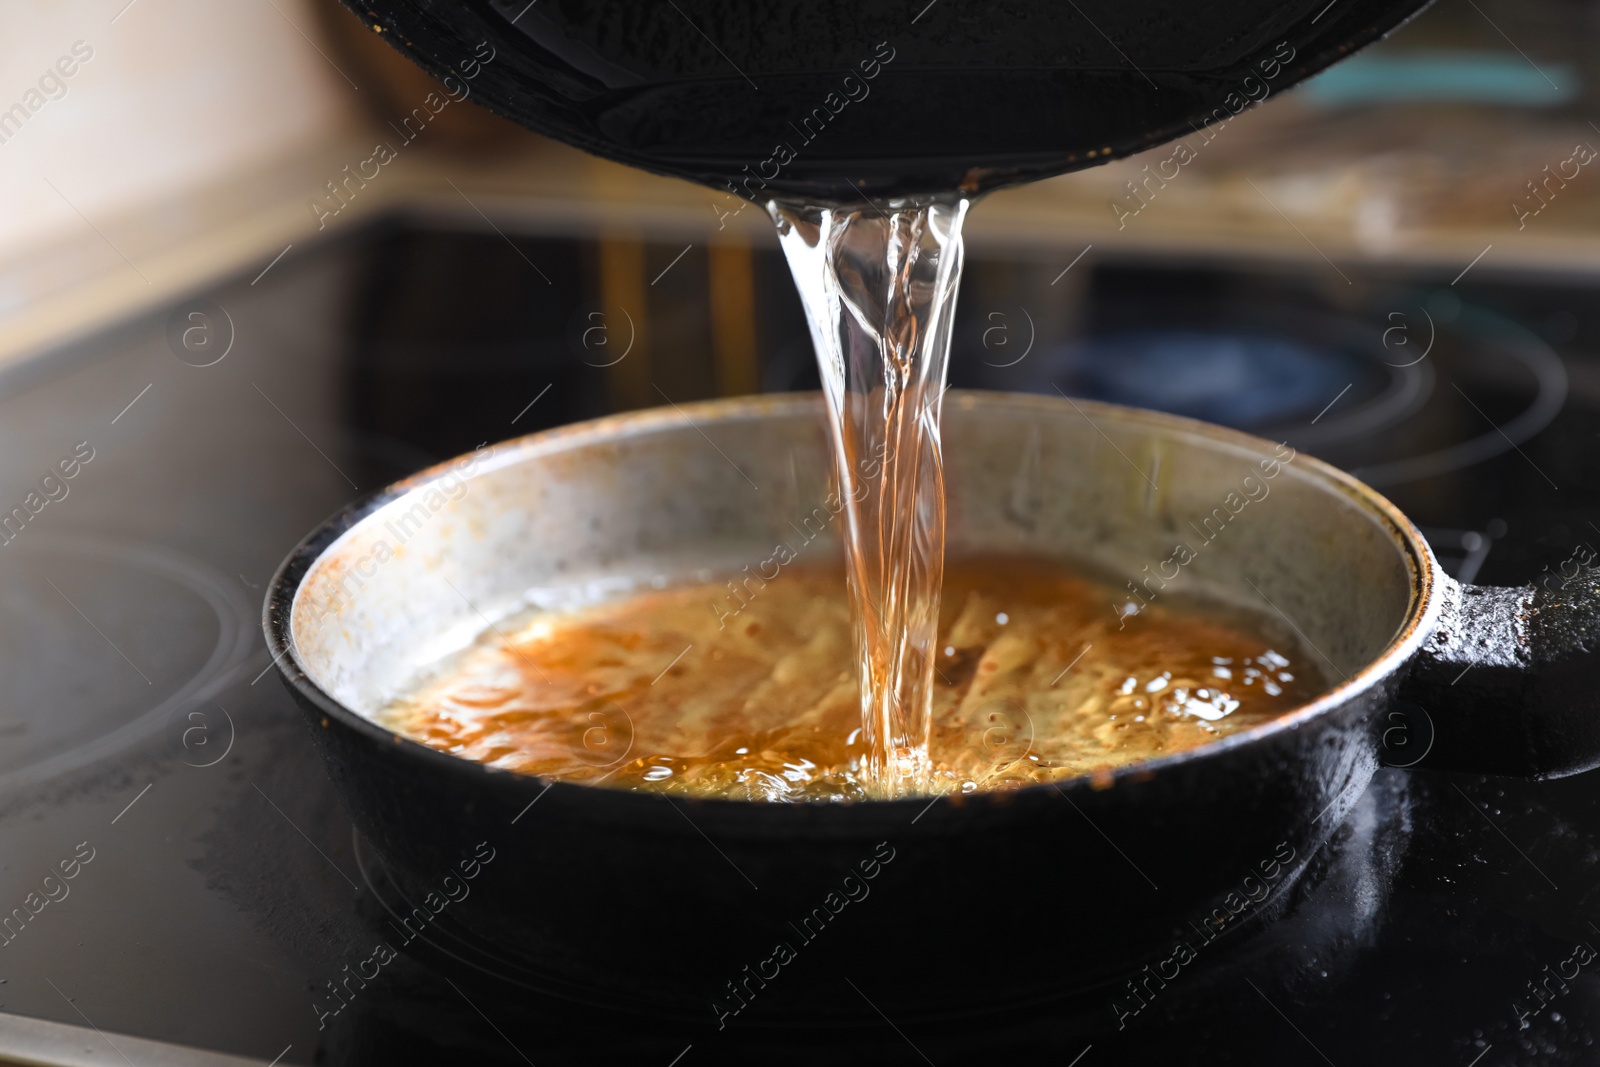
[142, 727]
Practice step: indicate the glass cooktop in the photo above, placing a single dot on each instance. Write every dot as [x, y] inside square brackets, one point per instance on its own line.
[179, 881]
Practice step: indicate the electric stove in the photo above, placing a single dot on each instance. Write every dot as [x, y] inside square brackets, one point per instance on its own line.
[179, 882]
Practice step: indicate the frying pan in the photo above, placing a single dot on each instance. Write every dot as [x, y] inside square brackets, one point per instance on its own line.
[831, 100]
[680, 905]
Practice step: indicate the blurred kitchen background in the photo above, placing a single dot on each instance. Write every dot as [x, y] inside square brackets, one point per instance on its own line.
[1343, 266]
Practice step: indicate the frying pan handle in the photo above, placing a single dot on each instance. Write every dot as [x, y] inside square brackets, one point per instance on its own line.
[1510, 678]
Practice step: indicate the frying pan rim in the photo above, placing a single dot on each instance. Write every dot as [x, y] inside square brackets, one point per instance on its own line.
[1421, 616]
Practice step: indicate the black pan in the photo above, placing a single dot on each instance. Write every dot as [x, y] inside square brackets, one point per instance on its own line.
[960, 902]
[836, 99]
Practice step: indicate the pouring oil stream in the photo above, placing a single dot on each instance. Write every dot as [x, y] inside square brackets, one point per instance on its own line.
[879, 285]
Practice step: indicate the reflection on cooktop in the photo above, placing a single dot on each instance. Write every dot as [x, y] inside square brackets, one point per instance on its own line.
[145, 629]
[1318, 925]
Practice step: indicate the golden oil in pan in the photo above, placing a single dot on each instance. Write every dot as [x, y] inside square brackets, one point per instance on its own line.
[750, 691]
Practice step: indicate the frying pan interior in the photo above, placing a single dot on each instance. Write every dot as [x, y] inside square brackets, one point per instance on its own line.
[1178, 507]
